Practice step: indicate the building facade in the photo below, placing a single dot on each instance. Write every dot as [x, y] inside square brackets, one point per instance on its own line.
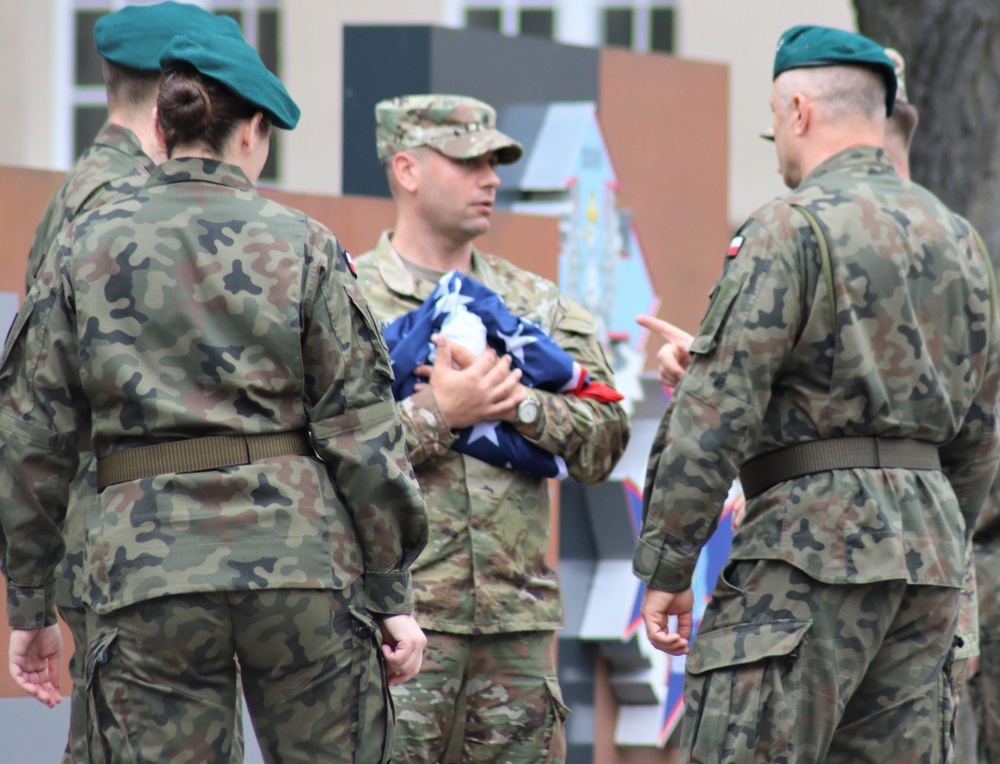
[54, 101]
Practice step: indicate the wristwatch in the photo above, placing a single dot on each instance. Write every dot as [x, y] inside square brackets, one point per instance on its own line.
[528, 411]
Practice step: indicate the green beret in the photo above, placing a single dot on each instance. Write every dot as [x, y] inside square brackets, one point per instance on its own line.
[137, 34]
[810, 46]
[457, 126]
[237, 66]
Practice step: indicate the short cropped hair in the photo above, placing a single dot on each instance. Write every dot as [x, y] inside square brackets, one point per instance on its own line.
[129, 88]
[843, 91]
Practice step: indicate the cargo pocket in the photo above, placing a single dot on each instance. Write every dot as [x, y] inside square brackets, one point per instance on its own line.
[558, 713]
[722, 298]
[104, 732]
[743, 691]
[376, 716]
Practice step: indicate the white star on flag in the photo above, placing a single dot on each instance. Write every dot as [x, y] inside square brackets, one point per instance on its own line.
[446, 303]
[516, 342]
[486, 430]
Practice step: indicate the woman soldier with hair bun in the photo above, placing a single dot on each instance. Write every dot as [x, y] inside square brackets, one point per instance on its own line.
[258, 514]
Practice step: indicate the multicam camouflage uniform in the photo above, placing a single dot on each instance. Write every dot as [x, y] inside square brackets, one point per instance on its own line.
[113, 167]
[830, 629]
[984, 685]
[483, 572]
[200, 308]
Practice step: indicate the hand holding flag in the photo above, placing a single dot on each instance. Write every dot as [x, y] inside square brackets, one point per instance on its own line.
[515, 342]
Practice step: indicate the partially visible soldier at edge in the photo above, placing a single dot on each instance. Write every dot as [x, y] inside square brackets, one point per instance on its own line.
[125, 151]
[115, 165]
[485, 596]
[984, 678]
[864, 430]
[258, 514]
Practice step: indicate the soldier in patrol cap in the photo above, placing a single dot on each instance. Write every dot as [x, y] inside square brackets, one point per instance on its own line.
[257, 512]
[489, 603]
[846, 368]
[115, 165]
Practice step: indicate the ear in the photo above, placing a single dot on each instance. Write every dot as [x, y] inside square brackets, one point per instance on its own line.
[249, 134]
[161, 139]
[406, 170]
[800, 113]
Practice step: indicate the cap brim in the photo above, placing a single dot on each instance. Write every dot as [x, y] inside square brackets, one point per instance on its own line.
[480, 142]
[768, 135]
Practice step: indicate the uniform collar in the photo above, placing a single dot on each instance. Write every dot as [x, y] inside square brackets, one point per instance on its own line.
[195, 169]
[867, 158]
[400, 279]
[122, 139]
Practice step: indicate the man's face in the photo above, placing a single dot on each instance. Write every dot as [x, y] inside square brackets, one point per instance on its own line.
[456, 196]
[784, 139]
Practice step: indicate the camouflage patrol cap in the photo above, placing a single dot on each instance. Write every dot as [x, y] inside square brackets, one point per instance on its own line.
[457, 126]
[811, 46]
[137, 34]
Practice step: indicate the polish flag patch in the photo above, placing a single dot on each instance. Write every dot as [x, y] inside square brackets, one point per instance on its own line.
[734, 246]
[350, 263]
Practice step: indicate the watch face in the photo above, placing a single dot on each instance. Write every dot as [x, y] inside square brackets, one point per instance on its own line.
[527, 411]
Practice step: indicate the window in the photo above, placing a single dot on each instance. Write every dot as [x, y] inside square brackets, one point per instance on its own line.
[259, 20]
[537, 22]
[618, 24]
[483, 18]
[661, 28]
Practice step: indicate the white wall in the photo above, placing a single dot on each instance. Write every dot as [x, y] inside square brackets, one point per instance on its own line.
[312, 53]
[28, 60]
[744, 34]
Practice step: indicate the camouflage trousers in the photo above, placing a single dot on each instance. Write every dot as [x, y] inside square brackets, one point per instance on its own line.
[984, 692]
[162, 679]
[76, 741]
[984, 685]
[787, 669]
[483, 698]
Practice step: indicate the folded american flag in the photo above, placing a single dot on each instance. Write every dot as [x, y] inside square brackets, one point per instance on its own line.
[544, 365]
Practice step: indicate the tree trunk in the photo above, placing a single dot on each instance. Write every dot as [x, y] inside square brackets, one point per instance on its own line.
[952, 53]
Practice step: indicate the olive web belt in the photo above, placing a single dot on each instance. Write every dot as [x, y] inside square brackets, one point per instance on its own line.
[762, 472]
[198, 454]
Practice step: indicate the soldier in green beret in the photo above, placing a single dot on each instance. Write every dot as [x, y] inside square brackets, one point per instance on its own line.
[485, 595]
[257, 513]
[846, 369]
[114, 166]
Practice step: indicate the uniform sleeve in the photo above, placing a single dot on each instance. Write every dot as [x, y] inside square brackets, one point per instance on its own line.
[358, 432]
[42, 407]
[590, 436]
[742, 343]
[427, 433]
[970, 459]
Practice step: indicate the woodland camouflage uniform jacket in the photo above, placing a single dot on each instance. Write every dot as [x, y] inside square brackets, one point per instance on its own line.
[113, 166]
[915, 354]
[197, 308]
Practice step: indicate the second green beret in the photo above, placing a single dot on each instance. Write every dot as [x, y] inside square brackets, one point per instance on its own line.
[237, 66]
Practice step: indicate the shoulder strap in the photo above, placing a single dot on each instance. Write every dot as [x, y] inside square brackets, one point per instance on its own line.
[990, 275]
[824, 254]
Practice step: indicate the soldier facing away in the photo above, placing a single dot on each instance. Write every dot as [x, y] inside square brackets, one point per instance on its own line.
[257, 512]
[847, 369]
[114, 166]
[484, 594]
